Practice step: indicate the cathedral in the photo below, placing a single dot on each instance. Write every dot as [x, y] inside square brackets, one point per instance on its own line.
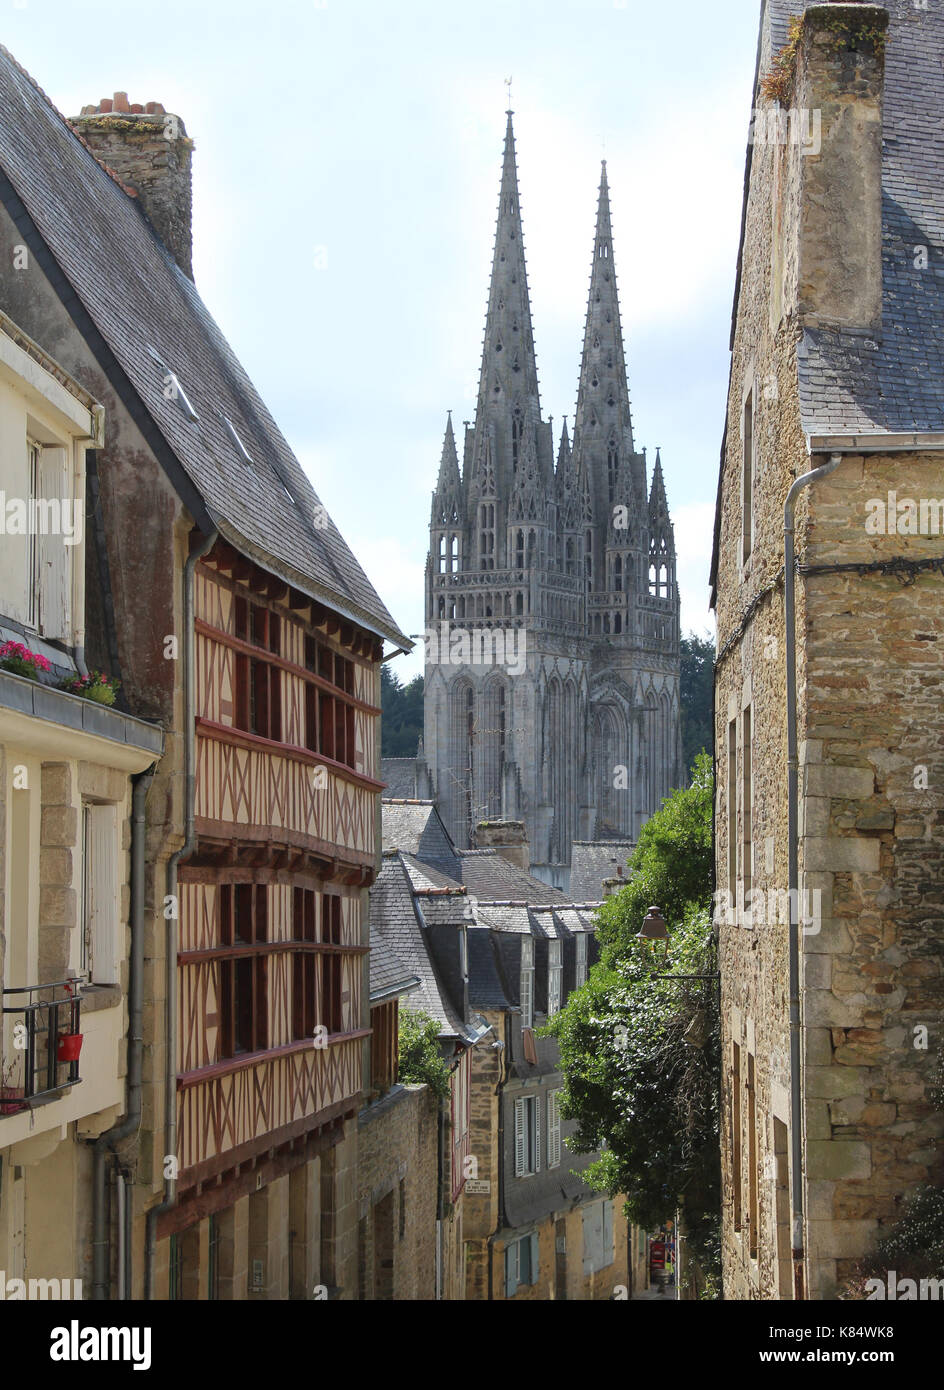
[552, 608]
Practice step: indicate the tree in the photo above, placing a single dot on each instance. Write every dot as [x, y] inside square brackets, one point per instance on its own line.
[419, 1060]
[401, 722]
[697, 680]
[641, 1055]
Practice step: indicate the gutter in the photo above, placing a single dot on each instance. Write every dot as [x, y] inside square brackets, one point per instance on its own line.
[793, 871]
[170, 949]
[132, 1121]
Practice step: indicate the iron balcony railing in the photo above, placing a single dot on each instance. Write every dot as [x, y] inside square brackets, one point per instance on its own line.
[36, 1034]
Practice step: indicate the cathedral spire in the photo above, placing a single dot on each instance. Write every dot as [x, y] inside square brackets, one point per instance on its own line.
[448, 480]
[508, 382]
[659, 519]
[603, 431]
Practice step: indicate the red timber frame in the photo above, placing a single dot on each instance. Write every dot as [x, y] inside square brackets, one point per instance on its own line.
[272, 1015]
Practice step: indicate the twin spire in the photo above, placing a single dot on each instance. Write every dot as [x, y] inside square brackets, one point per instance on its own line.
[508, 455]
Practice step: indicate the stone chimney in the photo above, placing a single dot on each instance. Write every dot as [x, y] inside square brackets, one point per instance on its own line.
[508, 837]
[149, 151]
[839, 86]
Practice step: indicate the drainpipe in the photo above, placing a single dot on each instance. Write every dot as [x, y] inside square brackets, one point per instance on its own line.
[132, 1120]
[793, 870]
[170, 960]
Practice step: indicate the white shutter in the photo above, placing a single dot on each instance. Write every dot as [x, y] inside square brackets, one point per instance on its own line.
[581, 959]
[607, 1233]
[55, 557]
[102, 881]
[521, 1117]
[554, 973]
[553, 1130]
[536, 1112]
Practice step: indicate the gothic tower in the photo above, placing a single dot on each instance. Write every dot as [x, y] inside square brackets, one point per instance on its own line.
[551, 679]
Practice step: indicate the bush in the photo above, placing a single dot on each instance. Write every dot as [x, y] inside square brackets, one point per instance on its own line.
[419, 1059]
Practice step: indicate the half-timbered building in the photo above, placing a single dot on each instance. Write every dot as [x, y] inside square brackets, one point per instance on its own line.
[222, 596]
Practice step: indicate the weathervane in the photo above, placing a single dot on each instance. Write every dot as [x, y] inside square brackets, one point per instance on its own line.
[508, 85]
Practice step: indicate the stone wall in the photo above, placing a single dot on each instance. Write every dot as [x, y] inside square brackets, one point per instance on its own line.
[397, 1184]
[869, 718]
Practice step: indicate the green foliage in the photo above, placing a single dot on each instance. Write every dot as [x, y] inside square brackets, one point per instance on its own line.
[670, 866]
[640, 1092]
[913, 1247]
[698, 673]
[419, 1059]
[401, 723]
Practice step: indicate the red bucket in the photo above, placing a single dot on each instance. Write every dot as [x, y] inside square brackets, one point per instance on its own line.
[70, 1045]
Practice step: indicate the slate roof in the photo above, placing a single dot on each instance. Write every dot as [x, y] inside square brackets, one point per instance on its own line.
[487, 988]
[591, 863]
[415, 828]
[399, 775]
[490, 876]
[388, 974]
[131, 291]
[849, 382]
[393, 921]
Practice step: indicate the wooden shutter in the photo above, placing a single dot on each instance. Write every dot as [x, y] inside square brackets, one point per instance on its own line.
[55, 557]
[511, 1270]
[553, 1130]
[521, 1116]
[102, 883]
[534, 1257]
[536, 1114]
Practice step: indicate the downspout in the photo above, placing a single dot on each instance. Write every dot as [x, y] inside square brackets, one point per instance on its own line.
[132, 1121]
[504, 1066]
[793, 870]
[170, 948]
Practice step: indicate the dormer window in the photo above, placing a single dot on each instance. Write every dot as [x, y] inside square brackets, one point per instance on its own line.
[527, 982]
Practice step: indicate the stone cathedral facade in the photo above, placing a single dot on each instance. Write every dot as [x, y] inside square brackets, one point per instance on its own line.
[552, 609]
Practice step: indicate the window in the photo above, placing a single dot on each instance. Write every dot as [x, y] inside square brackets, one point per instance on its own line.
[521, 1263]
[258, 692]
[175, 1281]
[527, 982]
[32, 540]
[747, 799]
[581, 978]
[332, 964]
[527, 1137]
[213, 1258]
[747, 479]
[304, 965]
[554, 977]
[752, 1157]
[597, 1236]
[736, 1132]
[330, 726]
[243, 1007]
[99, 886]
[553, 1129]
[732, 819]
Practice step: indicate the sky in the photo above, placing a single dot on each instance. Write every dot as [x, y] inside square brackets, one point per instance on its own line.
[346, 173]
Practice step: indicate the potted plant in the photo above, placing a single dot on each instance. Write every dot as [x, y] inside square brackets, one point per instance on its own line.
[94, 686]
[11, 1096]
[21, 661]
[69, 1047]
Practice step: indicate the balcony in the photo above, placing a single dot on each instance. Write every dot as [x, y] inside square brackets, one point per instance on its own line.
[38, 1066]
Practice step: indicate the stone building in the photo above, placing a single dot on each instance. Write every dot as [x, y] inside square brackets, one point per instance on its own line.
[73, 775]
[219, 592]
[552, 610]
[500, 951]
[827, 588]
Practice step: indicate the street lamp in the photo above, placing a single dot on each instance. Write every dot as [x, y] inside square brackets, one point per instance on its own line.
[653, 927]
